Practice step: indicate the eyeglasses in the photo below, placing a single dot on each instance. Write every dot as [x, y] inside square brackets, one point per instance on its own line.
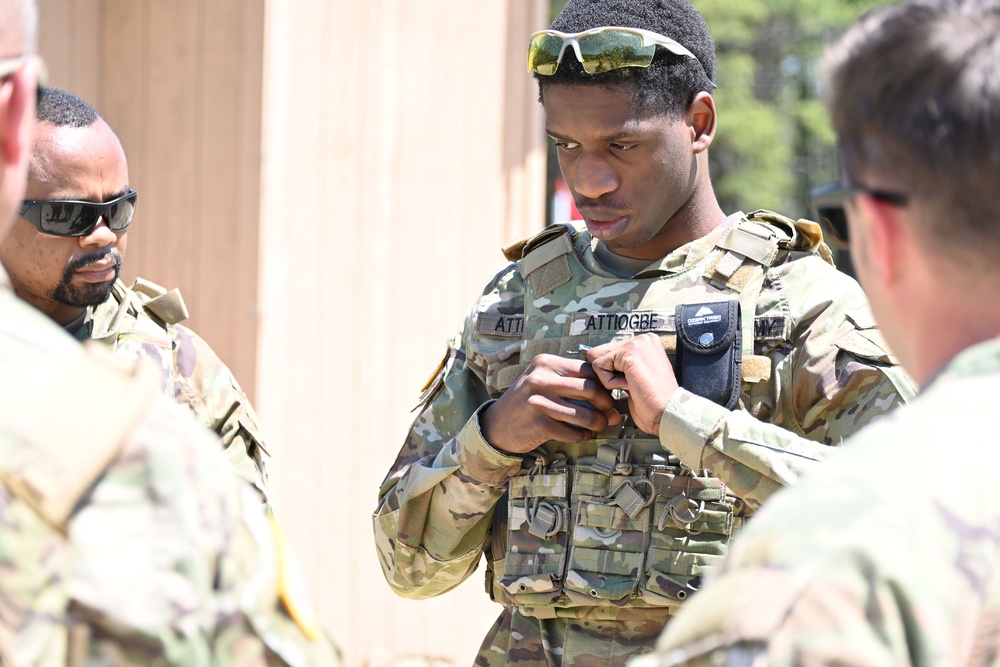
[11, 64]
[69, 217]
[599, 49]
[828, 202]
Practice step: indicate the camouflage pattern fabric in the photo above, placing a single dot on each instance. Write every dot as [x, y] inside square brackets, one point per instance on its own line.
[166, 559]
[830, 375]
[871, 560]
[193, 374]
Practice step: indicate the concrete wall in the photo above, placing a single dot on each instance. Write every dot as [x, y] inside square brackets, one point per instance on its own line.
[329, 183]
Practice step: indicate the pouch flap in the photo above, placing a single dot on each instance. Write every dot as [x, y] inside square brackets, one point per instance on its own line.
[707, 328]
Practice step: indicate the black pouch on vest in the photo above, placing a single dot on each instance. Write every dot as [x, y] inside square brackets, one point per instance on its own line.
[709, 350]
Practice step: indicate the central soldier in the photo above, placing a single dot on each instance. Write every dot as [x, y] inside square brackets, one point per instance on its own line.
[597, 515]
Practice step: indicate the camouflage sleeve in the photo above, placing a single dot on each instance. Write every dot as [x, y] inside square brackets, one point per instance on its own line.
[837, 614]
[167, 558]
[436, 504]
[832, 377]
[869, 560]
[208, 388]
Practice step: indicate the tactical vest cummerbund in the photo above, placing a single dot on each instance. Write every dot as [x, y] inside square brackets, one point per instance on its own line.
[615, 523]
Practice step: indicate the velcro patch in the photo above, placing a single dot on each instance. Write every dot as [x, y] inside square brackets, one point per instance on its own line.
[639, 321]
[497, 324]
[770, 328]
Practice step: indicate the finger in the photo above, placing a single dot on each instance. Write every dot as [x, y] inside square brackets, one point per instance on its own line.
[607, 373]
[562, 366]
[601, 350]
[613, 380]
[589, 390]
[577, 413]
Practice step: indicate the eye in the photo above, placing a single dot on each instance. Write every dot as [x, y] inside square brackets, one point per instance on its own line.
[618, 146]
[566, 145]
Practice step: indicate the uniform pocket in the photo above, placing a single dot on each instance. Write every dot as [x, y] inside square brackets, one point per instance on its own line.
[537, 528]
[609, 535]
[692, 524]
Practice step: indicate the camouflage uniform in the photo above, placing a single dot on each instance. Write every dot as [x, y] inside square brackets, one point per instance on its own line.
[143, 322]
[595, 545]
[886, 564]
[124, 538]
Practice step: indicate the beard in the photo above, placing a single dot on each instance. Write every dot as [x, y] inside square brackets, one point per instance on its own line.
[88, 294]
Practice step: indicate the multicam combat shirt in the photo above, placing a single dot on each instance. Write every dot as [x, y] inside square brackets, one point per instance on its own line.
[124, 537]
[193, 374]
[879, 558]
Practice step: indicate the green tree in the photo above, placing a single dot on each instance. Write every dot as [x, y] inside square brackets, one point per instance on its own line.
[774, 139]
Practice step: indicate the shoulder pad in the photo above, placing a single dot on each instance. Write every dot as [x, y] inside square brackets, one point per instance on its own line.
[169, 306]
[801, 235]
[518, 249]
[69, 454]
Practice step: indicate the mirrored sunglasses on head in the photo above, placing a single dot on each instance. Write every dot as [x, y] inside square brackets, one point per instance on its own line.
[69, 217]
[828, 202]
[599, 49]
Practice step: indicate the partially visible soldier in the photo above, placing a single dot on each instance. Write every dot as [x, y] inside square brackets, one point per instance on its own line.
[64, 254]
[125, 539]
[597, 521]
[890, 554]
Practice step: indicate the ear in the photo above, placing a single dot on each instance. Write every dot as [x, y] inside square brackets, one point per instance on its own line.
[701, 119]
[889, 239]
[17, 113]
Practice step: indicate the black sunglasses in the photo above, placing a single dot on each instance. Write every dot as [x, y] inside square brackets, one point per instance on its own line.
[69, 217]
[828, 202]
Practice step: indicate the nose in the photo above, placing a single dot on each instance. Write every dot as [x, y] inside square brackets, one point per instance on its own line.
[101, 235]
[594, 176]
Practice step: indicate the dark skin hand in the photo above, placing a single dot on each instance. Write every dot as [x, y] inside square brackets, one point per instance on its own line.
[640, 367]
[538, 408]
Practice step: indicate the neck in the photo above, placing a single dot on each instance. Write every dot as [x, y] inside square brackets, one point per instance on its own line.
[701, 215]
[59, 313]
[947, 327]
[692, 221]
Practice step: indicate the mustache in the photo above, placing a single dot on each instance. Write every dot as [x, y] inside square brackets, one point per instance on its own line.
[95, 258]
[609, 204]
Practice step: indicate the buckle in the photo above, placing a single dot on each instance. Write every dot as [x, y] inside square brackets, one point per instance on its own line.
[544, 519]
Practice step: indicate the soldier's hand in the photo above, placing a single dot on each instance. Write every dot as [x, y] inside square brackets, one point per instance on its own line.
[639, 366]
[549, 402]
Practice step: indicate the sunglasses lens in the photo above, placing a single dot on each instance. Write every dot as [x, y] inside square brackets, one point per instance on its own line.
[828, 202]
[543, 54]
[836, 220]
[67, 219]
[119, 214]
[613, 49]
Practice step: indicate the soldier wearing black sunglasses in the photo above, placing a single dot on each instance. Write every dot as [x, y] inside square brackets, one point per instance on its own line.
[871, 560]
[64, 254]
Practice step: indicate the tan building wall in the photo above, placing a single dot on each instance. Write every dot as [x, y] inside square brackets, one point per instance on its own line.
[329, 183]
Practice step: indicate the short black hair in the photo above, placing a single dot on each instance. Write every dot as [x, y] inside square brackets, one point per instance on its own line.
[671, 81]
[924, 121]
[61, 108]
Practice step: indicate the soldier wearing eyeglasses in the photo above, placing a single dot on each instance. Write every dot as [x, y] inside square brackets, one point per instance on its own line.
[64, 255]
[874, 559]
[554, 440]
[125, 538]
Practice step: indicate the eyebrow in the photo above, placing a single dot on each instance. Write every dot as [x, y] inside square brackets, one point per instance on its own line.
[608, 137]
[123, 191]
